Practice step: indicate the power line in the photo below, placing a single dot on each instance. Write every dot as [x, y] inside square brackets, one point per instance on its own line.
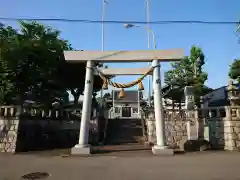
[124, 22]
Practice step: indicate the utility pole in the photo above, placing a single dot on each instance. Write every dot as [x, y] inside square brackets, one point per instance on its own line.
[148, 20]
[104, 2]
[148, 33]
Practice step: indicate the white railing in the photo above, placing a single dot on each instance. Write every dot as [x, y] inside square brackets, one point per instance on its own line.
[113, 114]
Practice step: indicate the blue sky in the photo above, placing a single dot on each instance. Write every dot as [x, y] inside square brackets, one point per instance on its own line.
[218, 42]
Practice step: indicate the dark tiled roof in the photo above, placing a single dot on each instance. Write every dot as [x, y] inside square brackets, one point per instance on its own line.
[220, 102]
[130, 96]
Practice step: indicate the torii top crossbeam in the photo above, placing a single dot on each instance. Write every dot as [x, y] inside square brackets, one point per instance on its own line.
[125, 56]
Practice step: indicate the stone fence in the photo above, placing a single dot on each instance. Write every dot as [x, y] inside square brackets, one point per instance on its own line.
[175, 127]
[219, 125]
[24, 129]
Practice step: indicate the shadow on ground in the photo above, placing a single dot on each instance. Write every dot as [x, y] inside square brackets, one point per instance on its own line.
[119, 148]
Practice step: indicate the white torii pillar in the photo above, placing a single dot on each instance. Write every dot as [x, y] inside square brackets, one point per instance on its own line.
[160, 148]
[83, 148]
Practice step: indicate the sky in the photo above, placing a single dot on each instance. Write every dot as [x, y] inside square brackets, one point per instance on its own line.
[218, 42]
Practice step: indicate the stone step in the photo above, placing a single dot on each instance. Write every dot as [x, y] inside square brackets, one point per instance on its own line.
[124, 131]
[132, 148]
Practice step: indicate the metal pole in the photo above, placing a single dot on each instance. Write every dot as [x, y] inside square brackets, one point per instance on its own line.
[103, 41]
[154, 40]
[155, 47]
[149, 77]
[148, 27]
[148, 19]
[103, 24]
[113, 96]
[139, 103]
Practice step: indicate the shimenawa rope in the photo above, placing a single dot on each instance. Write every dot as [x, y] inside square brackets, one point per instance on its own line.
[118, 85]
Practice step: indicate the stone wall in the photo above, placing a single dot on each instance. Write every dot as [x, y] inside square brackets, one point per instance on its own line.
[176, 122]
[9, 122]
[222, 127]
[175, 128]
[219, 125]
[23, 129]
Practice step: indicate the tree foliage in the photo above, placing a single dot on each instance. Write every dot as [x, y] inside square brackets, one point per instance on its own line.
[33, 56]
[188, 72]
[78, 73]
[7, 86]
[32, 66]
[234, 72]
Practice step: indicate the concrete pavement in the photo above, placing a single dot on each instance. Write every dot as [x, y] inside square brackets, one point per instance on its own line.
[138, 165]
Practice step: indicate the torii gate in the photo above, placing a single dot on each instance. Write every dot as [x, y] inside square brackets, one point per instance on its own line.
[154, 56]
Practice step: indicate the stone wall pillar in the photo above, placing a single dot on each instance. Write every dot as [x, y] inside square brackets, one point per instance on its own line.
[150, 121]
[232, 129]
[192, 124]
[9, 122]
[223, 131]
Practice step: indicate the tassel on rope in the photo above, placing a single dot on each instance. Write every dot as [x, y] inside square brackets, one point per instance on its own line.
[122, 93]
[140, 86]
[105, 85]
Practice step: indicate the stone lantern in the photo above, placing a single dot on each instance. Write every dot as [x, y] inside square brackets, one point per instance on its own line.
[233, 94]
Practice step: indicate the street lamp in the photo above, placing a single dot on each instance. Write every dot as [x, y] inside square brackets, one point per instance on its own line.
[148, 29]
[127, 26]
[158, 105]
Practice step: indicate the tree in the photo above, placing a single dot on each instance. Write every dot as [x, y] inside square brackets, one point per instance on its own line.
[41, 59]
[7, 86]
[188, 72]
[74, 75]
[234, 72]
[33, 66]
[77, 89]
[33, 57]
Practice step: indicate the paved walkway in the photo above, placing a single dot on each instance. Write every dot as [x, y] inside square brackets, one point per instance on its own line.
[139, 165]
